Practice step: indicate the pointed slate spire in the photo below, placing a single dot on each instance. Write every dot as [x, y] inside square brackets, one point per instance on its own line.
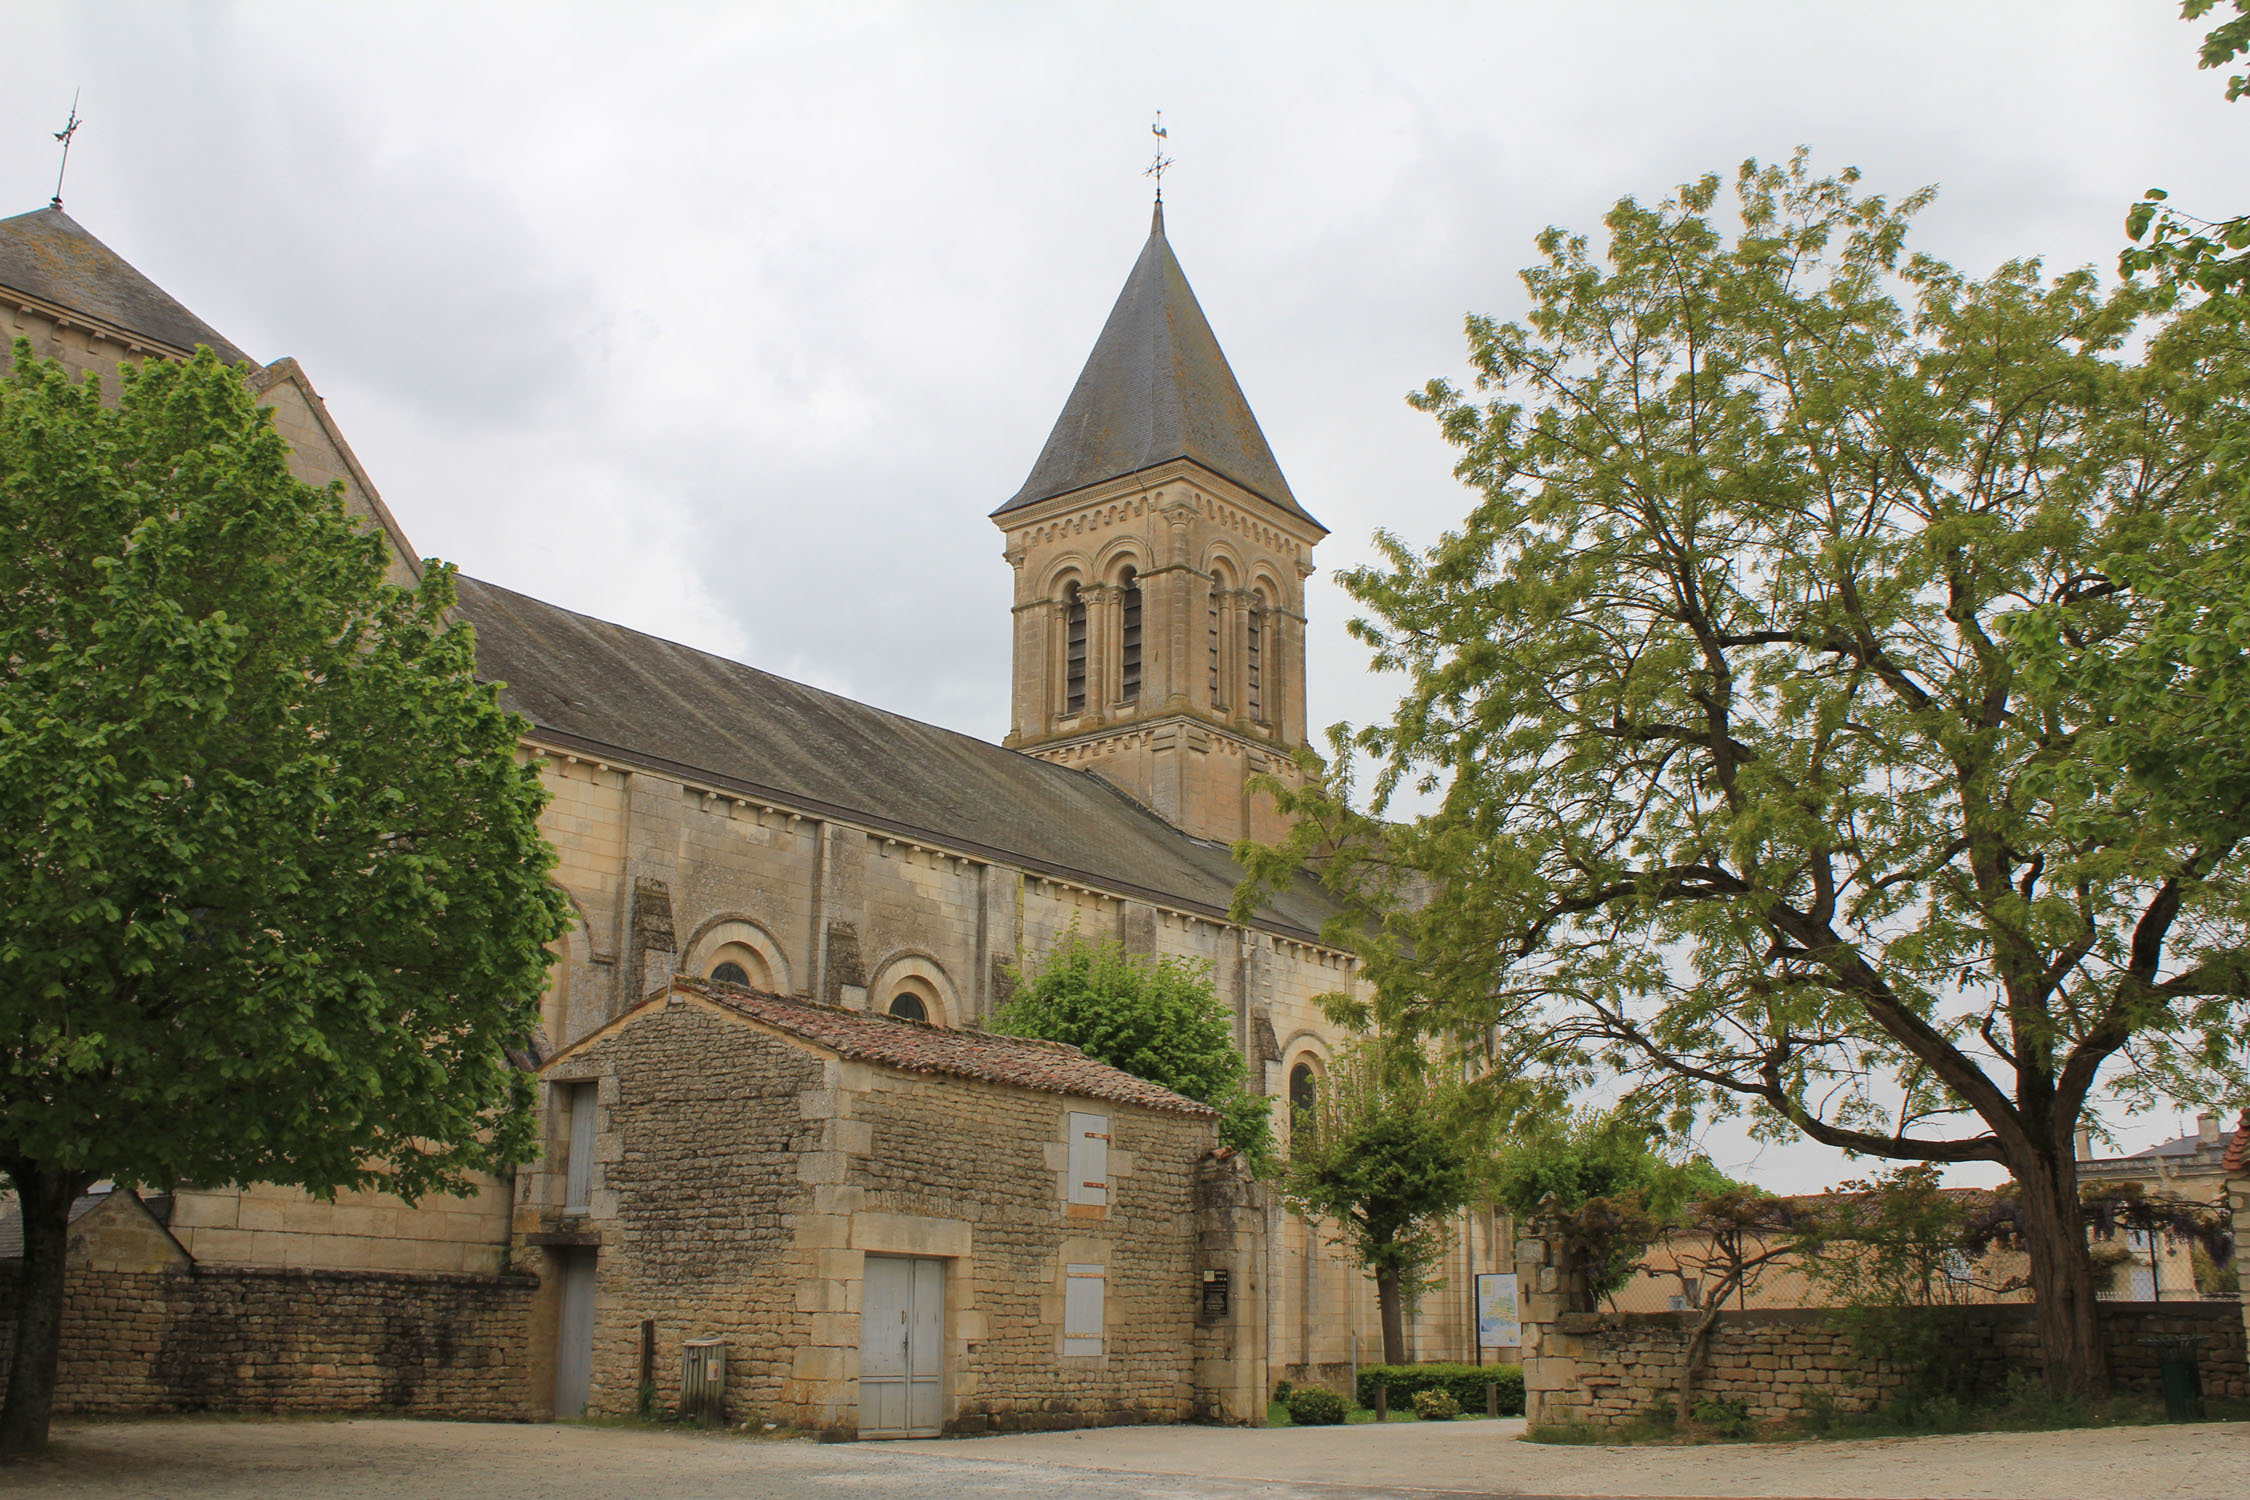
[1155, 388]
[45, 254]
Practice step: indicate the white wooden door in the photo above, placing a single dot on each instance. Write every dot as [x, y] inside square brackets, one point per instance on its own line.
[574, 1335]
[902, 1347]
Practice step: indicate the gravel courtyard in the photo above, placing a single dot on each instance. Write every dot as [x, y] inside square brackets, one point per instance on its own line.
[250, 1459]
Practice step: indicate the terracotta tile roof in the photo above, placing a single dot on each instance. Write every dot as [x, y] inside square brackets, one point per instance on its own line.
[917, 1047]
[2238, 1150]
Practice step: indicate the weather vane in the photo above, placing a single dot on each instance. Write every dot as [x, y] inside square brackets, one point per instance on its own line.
[70, 129]
[1156, 167]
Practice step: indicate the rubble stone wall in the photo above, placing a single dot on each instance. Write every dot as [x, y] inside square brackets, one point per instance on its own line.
[235, 1339]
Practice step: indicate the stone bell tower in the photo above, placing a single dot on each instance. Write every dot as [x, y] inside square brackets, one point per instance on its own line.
[1160, 565]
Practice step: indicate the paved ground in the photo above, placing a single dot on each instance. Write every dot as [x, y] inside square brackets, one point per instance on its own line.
[221, 1459]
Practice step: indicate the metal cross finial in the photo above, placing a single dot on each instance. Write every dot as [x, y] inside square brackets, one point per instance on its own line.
[1156, 167]
[70, 129]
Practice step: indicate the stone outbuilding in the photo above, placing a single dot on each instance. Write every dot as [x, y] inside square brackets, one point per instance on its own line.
[883, 1228]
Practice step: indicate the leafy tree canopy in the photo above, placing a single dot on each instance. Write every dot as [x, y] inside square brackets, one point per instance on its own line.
[1597, 1154]
[273, 900]
[1158, 1019]
[2182, 249]
[1600, 1174]
[1777, 694]
[1391, 1155]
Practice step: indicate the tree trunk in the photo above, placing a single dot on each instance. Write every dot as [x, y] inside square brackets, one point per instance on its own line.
[1393, 1305]
[45, 1197]
[2062, 1276]
[1691, 1358]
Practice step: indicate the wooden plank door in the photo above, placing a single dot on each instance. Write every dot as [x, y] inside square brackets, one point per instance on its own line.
[902, 1348]
[574, 1335]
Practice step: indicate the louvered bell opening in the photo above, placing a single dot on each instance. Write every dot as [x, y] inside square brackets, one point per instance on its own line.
[1252, 688]
[1074, 674]
[1129, 675]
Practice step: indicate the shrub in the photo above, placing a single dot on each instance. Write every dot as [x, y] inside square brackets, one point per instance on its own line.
[1315, 1406]
[1436, 1405]
[1726, 1418]
[1464, 1383]
[1281, 1390]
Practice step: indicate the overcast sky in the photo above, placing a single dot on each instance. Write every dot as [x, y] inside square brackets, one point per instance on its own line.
[733, 322]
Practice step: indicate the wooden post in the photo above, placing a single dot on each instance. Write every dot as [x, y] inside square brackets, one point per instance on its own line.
[1492, 1398]
[1382, 1403]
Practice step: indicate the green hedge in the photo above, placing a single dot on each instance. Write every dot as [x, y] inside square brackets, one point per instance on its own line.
[1315, 1406]
[1465, 1383]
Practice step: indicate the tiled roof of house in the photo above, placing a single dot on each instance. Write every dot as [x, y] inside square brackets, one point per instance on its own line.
[2238, 1149]
[46, 254]
[1155, 388]
[617, 694]
[917, 1047]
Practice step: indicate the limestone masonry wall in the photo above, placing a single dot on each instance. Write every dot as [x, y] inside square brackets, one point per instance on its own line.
[1606, 1368]
[243, 1339]
[701, 1133]
[1777, 1361]
[1008, 1191]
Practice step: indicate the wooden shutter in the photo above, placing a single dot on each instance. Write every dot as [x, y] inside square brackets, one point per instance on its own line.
[1083, 1288]
[1089, 1159]
[579, 1183]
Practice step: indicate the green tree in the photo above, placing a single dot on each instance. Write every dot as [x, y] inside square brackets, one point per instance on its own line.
[273, 901]
[2182, 249]
[1722, 1246]
[1599, 1174]
[1158, 1019]
[1392, 1155]
[1744, 785]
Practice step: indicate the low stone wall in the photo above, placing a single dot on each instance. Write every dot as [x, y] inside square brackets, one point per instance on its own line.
[1606, 1369]
[196, 1338]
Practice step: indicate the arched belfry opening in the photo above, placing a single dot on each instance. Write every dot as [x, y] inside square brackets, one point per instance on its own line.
[1178, 674]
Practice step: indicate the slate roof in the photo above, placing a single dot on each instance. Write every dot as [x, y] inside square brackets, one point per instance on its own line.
[47, 255]
[918, 1047]
[613, 693]
[1155, 388]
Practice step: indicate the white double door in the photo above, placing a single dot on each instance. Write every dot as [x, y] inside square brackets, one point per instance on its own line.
[902, 1347]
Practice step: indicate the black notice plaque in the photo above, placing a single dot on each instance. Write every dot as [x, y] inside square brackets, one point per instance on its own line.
[1215, 1290]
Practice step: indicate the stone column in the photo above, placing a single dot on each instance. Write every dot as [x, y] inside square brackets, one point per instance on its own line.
[1101, 647]
[1180, 665]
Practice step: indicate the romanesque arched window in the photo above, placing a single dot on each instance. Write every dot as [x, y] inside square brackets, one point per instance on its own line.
[739, 963]
[909, 1007]
[1304, 1101]
[1129, 638]
[1074, 651]
[1221, 584]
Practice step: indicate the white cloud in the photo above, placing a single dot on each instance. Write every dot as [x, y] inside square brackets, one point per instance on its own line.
[732, 322]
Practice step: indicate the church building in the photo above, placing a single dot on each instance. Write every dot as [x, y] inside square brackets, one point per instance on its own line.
[725, 833]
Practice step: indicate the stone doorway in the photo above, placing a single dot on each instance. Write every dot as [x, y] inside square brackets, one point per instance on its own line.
[902, 1347]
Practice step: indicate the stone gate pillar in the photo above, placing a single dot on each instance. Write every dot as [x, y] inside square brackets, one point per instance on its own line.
[1546, 1283]
[1231, 1378]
